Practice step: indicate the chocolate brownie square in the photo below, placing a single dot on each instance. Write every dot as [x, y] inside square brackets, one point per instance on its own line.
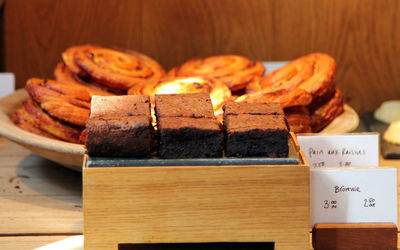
[186, 137]
[256, 135]
[184, 105]
[128, 136]
[127, 105]
[235, 108]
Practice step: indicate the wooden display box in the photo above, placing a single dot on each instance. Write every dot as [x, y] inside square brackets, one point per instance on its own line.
[178, 204]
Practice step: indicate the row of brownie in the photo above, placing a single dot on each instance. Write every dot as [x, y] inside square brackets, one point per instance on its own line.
[121, 126]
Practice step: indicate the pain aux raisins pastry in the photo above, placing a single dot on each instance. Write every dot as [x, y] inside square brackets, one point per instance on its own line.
[313, 75]
[304, 88]
[286, 98]
[32, 118]
[218, 91]
[60, 100]
[328, 111]
[235, 71]
[299, 119]
[113, 68]
[63, 74]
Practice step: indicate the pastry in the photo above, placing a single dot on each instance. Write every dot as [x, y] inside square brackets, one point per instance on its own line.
[392, 133]
[23, 119]
[60, 100]
[63, 74]
[327, 112]
[313, 73]
[217, 90]
[32, 118]
[114, 68]
[318, 101]
[286, 98]
[299, 119]
[235, 71]
[388, 112]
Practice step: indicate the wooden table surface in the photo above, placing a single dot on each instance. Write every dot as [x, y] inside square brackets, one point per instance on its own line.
[40, 201]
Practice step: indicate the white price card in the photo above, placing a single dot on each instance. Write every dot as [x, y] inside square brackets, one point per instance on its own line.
[344, 150]
[353, 195]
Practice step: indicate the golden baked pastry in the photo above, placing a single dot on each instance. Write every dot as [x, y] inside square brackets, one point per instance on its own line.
[317, 102]
[327, 112]
[218, 91]
[68, 104]
[287, 98]
[299, 119]
[235, 71]
[24, 120]
[63, 74]
[392, 133]
[114, 68]
[83, 137]
[313, 73]
[30, 117]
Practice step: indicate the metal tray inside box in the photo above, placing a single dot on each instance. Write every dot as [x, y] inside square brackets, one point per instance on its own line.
[292, 159]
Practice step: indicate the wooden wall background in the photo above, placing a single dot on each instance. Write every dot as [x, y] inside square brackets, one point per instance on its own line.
[363, 35]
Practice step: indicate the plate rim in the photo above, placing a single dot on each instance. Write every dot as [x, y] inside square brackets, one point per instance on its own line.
[9, 130]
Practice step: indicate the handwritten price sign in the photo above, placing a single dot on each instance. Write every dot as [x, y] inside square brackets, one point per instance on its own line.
[353, 195]
[346, 150]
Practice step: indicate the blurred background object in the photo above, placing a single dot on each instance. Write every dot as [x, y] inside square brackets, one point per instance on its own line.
[7, 80]
[362, 35]
[7, 84]
[2, 36]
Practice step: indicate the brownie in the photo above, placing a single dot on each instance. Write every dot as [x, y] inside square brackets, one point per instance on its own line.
[186, 137]
[184, 105]
[127, 136]
[235, 108]
[256, 135]
[120, 126]
[127, 105]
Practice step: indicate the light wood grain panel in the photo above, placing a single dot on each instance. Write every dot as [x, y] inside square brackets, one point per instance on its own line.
[393, 163]
[362, 35]
[196, 204]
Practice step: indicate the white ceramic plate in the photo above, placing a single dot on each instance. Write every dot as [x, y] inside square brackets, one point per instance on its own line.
[71, 155]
